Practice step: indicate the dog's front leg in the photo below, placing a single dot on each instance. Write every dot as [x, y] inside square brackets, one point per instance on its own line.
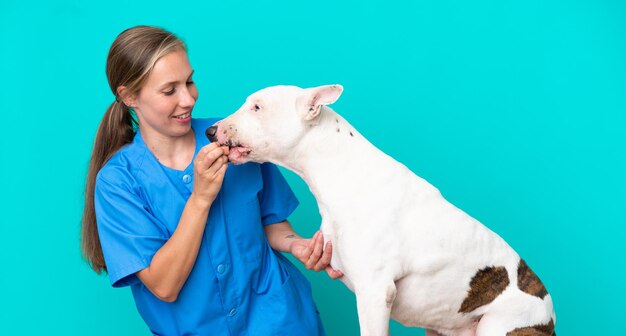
[374, 302]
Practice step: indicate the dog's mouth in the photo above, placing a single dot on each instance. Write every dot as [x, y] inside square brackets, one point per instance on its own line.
[237, 151]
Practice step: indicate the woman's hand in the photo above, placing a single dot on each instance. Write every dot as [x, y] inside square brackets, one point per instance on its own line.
[209, 168]
[170, 267]
[310, 252]
[313, 255]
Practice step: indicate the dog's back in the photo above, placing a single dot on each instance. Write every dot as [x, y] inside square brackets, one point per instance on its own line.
[450, 271]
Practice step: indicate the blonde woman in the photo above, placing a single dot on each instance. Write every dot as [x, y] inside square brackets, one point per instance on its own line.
[195, 238]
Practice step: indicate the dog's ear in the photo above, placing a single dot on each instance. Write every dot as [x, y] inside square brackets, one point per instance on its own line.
[314, 98]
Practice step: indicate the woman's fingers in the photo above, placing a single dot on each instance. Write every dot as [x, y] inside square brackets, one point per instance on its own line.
[307, 252]
[212, 156]
[221, 172]
[209, 169]
[318, 244]
[215, 166]
[210, 159]
[206, 149]
[333, 273]
[326, 256]
[317, 257]
[201, 163]
[324, 261]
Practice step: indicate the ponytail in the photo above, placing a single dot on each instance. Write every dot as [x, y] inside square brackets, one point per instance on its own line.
[131, 58]
[116, 130]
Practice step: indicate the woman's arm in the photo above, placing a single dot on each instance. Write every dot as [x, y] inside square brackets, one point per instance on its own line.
[310, 252]
[172, 263]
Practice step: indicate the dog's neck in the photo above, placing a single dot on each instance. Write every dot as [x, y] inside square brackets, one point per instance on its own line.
[326, 138]
[334, 159]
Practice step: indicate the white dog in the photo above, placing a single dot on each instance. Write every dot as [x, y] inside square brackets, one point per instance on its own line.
[405, 251]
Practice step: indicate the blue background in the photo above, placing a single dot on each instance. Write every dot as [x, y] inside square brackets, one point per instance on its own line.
[515, 110]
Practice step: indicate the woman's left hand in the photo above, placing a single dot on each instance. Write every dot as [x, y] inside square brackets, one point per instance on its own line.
[314, 256]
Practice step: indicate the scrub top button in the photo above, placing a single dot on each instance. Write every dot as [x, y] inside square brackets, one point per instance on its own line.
[221, 268]
[186, 178]
[232, 312]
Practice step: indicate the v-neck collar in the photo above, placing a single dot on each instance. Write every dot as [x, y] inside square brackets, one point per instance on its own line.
[139, 140]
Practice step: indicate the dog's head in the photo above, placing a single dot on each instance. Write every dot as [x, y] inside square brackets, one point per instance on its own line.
[271, 121]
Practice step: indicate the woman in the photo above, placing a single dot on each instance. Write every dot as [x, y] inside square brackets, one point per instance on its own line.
[165, 214]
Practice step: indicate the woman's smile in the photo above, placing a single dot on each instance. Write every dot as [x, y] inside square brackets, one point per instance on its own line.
[184, 118]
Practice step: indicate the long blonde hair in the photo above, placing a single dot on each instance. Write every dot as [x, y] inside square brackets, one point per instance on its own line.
[130, 60]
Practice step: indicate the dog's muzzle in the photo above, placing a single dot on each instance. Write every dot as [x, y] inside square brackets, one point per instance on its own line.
[210, 133]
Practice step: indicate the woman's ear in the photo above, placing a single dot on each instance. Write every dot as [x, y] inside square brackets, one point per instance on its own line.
[125, 96]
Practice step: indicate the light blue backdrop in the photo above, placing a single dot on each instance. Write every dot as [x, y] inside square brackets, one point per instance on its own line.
[515, 110]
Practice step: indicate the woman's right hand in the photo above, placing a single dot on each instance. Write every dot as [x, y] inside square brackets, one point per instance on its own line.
[172, 263]
[209, 168]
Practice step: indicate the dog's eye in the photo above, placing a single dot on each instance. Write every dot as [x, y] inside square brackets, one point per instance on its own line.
[257, 107]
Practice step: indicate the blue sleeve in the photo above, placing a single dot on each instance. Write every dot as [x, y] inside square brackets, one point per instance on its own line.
[277, 200]
[129, 234]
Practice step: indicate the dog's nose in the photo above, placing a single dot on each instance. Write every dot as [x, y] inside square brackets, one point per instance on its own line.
[210, 133]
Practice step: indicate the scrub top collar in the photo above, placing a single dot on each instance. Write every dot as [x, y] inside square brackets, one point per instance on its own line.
[138, 139]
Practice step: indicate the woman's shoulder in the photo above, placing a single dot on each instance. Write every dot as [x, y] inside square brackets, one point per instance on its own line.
[124, 164]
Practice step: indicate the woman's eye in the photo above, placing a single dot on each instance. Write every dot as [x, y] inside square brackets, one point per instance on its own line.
[170, 92]
[189, 82]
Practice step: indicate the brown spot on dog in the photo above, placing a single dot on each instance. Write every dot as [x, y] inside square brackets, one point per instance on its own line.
[528, 282]
[485, 286]
[537, 330]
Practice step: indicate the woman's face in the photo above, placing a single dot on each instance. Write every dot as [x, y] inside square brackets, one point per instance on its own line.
[165, 102]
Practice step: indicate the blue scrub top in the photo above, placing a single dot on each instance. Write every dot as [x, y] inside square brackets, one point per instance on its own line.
[238, 285]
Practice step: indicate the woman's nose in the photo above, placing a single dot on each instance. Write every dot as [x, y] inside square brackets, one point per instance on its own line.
[187, 99]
